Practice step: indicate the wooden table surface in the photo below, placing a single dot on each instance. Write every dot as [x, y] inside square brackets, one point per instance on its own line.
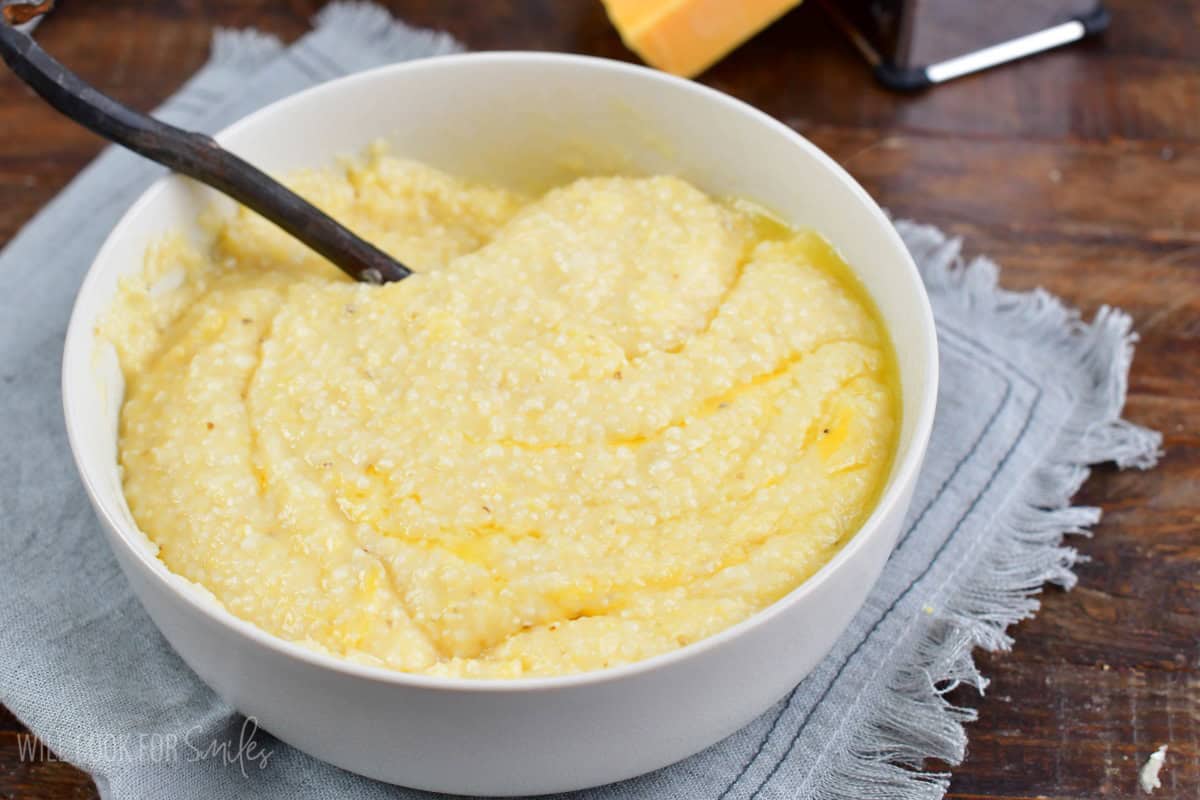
[1078, 171]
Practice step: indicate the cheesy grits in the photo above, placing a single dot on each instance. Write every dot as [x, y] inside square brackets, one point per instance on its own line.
[595, 426]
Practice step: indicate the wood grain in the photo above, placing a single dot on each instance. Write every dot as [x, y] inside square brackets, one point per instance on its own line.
[1078, 171]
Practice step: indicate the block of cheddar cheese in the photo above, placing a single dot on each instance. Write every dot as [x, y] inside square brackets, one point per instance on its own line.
[685, 37]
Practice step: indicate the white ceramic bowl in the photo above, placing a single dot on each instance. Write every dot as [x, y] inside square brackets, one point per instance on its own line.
[523, 119]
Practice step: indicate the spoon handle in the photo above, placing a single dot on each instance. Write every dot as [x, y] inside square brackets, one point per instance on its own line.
[194, 155]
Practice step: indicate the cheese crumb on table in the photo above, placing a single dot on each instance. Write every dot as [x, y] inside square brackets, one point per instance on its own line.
[1148, 775]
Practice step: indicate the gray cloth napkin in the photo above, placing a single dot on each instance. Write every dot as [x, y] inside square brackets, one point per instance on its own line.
[1030, 396]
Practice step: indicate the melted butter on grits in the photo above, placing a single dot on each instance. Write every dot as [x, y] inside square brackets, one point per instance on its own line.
[595, 426]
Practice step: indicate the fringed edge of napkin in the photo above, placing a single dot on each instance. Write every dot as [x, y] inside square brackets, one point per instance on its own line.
[242, 49]
[375, 24]
[916, 721]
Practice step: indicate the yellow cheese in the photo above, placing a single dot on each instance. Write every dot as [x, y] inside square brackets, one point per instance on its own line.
[685, 37]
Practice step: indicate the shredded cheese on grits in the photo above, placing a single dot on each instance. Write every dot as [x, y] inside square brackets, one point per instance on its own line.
[595, 426]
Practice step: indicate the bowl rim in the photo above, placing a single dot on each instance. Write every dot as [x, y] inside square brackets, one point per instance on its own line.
[908, 462]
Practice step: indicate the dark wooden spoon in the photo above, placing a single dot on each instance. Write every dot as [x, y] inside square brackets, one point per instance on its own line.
[187, 152]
